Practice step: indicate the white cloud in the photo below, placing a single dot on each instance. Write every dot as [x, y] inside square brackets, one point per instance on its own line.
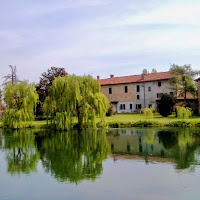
[118, 39]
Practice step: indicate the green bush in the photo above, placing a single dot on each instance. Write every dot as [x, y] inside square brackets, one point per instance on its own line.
[166, 105]
[183, 113]
[148, 114]
[110, 110]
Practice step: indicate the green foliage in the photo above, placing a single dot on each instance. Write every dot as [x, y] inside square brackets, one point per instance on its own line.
[21, 99]
[110, 110]
[148, 114]
[138, 123]
[166, 105]
[183, 79]
[149, 138]
[75, 156]
[154, 70]
[75, 96]
[21, 154]
[45, 83]
[183, 113]
[144, 71]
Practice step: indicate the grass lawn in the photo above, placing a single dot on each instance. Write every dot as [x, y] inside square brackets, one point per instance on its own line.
[129, 117]
[132, 117]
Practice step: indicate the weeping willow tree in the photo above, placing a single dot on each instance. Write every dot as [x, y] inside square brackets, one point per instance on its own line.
[148, 114]
[21, 99]
[183, 113]
[75, 96]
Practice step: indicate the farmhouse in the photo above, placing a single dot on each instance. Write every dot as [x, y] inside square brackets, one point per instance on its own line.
[198, 80]
[131, 93]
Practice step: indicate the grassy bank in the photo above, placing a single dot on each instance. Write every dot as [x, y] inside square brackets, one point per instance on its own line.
[135, 120]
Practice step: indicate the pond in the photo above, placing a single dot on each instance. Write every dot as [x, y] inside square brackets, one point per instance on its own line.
[134, 163]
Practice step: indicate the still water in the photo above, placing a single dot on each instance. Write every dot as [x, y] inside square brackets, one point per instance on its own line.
[135, 163]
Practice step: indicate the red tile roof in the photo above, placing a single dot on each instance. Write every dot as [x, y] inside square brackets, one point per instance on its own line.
[136, 78]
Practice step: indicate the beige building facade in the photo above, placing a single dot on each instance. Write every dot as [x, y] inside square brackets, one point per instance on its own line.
[132, 93]
[198, 80]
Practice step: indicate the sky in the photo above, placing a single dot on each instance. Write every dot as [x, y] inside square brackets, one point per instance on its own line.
[98, 37]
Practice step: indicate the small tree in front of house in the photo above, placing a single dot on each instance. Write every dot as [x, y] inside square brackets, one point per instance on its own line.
[183, 113]
[166, 105]
[148, 114]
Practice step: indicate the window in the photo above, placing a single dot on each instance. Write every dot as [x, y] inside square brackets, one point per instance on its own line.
[138, 106]
[126, 89]
[159, 95]
[159, 84]
[131, 106]
[172, 93]
[138, 96]
[122, 107]
[150, 105]
[110, 90]
[138, 88]
[149, 89]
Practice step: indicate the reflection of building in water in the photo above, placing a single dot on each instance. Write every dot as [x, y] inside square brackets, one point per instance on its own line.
[161, 146]
[136, 142]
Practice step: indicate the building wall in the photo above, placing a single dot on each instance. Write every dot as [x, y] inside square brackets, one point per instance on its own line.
[119, 95]
[146, 97]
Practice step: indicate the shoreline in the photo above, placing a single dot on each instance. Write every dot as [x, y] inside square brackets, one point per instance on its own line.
[127, 124]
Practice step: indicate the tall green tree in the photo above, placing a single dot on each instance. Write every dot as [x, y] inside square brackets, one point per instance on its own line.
[153, 70]
[46, 81]
[144, 71]
[183, 79]
[20, 99]
[75, 96]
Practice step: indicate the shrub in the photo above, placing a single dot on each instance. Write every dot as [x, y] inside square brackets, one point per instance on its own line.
[110, 110]
[147, 113]
[183, 113]
[166, 105]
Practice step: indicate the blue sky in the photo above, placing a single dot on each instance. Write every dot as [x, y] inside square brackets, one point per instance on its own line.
[98, 37]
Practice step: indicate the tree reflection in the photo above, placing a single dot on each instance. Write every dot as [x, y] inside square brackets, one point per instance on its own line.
[74, 156]
[182, 145]
[21, 154]
[149, 138]
[77, 156]
[68, 156]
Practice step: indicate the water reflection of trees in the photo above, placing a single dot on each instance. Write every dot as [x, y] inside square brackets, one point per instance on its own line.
[75, 156]
[182, 146]
[67, 156]
[20, 151]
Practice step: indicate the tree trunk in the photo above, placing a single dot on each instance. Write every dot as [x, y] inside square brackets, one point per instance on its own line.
[185, 95]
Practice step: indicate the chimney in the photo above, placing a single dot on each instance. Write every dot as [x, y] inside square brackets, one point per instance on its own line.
[142, 76]
[111, 76]
[98, 77]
